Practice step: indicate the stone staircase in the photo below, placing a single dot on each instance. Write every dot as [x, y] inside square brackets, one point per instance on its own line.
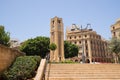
[82, 72]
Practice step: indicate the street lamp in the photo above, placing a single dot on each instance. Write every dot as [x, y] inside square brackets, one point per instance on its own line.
[83, 56]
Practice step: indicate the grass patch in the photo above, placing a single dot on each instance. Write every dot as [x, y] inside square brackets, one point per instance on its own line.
[65, 62]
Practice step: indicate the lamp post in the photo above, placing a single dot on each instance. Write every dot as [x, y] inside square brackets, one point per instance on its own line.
[83, 56]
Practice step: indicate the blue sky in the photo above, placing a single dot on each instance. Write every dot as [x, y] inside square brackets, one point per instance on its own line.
[26, 19]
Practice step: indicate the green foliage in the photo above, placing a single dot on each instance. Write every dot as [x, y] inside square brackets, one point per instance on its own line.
[36, 46]
[114, 48]
[70, 50]
[4, 36]
[24, 67]
[52, 46]
[69, 61]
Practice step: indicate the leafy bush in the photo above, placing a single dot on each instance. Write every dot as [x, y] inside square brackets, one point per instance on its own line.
[52, 46]
[24, 67]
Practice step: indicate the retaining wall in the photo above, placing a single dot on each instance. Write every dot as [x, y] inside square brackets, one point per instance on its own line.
[7, 56]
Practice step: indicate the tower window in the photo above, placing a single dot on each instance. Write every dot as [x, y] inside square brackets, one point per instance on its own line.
[113, 27]
[53, 22]
[58, 21]
[114, 34]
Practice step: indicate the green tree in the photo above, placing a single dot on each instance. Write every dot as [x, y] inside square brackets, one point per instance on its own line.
[114, 48]
[36, 46]
[70, 50]
[4, 36]
[52, 46]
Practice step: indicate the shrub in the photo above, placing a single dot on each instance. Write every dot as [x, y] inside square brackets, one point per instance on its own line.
[24, 67]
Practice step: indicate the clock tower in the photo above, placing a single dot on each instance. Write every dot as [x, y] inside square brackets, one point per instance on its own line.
[57, 37]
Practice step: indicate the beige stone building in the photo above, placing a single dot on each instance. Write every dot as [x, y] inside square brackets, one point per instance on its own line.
[115, 29]
[89, 42]
[57, 37]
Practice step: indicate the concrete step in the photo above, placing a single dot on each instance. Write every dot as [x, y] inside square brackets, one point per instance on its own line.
[83, 72]
[84, 67]
[62, 78]
[70, 72]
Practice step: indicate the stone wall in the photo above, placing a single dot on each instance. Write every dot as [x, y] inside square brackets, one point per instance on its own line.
[7, 56]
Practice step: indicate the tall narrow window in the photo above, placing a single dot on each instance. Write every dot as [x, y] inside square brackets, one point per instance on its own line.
[86, 47]
[114, 34]
[59, 21]
[113, 27]
[53, 22]
[86, 54]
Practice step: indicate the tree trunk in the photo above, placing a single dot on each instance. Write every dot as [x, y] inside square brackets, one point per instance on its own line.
[116, 59]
